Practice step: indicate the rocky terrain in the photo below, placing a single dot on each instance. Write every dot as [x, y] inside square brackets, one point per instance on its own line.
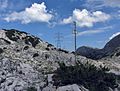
[29, 64]
[93, 53]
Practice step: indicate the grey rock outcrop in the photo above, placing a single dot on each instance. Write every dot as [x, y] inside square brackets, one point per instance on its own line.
[27, 62]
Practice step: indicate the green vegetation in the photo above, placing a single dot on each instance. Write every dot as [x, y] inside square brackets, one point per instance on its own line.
[35, 55]
[26, 48]
[1, 50]
[49, 45]
[62, 50]
[11, 34]
[91, 77]
[31, 40]
[118, 54]
[31, 89]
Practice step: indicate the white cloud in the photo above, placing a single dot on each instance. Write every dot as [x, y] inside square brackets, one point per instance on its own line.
[112, 3]
[100, 41]
[99, 30]
[96, 31]
[102, 3]
[114, 35]
[67, 20]
[89, 32]
[85, 18]
[36, 13]
[118, 13]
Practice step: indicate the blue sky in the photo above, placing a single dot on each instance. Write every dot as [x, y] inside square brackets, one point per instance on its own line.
[97, 20]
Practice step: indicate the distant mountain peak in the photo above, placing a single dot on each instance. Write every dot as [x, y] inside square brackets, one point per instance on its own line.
[94, 53]
[113, 43]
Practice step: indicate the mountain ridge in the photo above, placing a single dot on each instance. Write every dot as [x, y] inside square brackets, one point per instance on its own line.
[94, 53]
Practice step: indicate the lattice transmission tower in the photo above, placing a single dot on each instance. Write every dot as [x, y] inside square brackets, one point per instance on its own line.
[59, 39]
[75, 39]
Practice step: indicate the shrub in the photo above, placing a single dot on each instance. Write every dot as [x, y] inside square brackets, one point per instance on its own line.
[31, 40]
[1, 50]
[31, 89]
[88, 75]
[47, 56]
[26, 47]
[35, 55]
[2, 80]
[62, 50]
[49, 45]
[11, 33]
[47, 49]
[118, 54]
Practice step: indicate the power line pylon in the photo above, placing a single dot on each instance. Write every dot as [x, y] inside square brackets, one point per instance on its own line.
[59, 38]
[75, 39]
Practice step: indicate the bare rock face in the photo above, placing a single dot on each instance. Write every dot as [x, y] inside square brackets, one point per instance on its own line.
[96, 54]
[112, 45]
[73, 87]
[27, 63]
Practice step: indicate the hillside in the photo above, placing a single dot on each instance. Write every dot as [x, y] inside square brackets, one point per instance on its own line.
[27, 63]
[24, 60]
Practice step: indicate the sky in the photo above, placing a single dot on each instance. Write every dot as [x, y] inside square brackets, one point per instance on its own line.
[97, 21]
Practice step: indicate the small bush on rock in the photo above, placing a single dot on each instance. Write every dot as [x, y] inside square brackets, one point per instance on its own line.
[31, 89]
[35, 55]
[1, 50]
[91, 77]
[26, 47]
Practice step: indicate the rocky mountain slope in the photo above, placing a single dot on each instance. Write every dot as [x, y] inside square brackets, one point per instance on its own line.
[28, 64]
[96, 54]
[24, 60]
